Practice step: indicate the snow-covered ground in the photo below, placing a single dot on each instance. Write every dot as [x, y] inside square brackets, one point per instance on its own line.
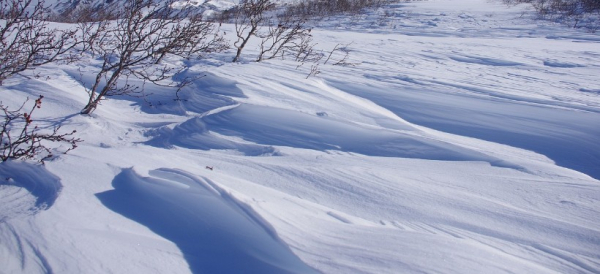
[466, 139]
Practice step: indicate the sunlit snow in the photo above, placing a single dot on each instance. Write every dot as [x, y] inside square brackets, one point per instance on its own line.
[464, 137]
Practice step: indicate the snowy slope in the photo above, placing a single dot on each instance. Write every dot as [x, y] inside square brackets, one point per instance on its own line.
[465, 140]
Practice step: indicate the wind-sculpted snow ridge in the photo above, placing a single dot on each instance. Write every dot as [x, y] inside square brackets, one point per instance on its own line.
[25, 189]
[507, 79]
[206, 93]
[278, 127]
[215, 232]
[461, 136]
[194, 134]
[569, 137]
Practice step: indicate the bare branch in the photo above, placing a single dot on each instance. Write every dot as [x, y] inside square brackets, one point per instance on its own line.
[21, 139]
[26, 39]
[249, 16]
[136, 44]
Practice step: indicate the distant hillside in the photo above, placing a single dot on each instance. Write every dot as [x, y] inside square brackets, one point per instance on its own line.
[66, 6]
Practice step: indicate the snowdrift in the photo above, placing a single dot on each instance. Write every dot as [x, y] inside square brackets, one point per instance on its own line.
[464, 139]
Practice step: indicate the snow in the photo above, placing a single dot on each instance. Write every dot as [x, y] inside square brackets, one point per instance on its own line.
[464, 140]
[206, 228]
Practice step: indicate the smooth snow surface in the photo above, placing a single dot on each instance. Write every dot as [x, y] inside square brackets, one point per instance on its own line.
[463, 137]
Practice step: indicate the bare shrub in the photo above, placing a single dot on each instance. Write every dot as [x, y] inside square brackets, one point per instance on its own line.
[23, 139]
[285, 30]
[339, 56]
[343, 60]
[248, 18]
[87, 13]
[289, 36]
[576, 13]
[280, 33]
[27, 40]
[318, 9]
[136, 44]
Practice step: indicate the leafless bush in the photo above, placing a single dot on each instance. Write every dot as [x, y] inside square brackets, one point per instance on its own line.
[285, 30]
[280, 33]
[314, 70]
[343, 60]
[319, 9]
[27, 40]
[86, 13]
[577, 13]
[338, 56]
[136, 44]
[248, 18]
[290, 36]
[304, 50]
[21, 139]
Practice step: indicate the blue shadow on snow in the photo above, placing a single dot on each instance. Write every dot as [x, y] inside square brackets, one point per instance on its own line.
[215, 232]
